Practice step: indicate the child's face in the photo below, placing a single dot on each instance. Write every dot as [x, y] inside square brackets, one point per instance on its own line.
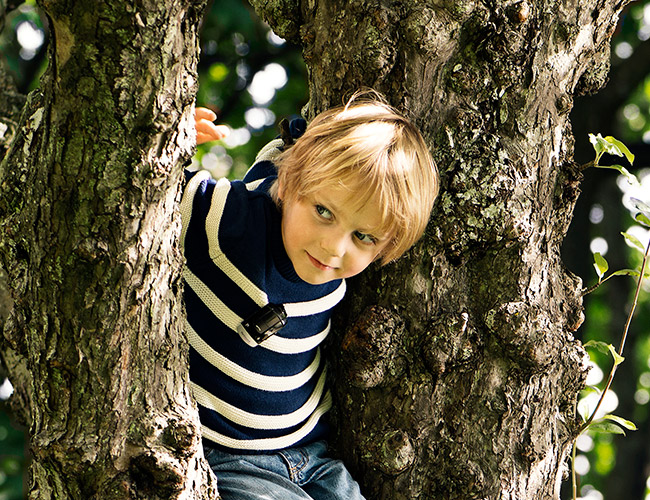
[327, 237]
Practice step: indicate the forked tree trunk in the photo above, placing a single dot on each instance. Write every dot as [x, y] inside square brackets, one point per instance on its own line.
[459, 373]
[92, 324]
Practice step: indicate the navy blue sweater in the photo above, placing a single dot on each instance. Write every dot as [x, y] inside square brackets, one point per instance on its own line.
[272, 396]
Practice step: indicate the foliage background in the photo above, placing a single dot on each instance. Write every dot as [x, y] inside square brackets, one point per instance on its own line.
[252, 79]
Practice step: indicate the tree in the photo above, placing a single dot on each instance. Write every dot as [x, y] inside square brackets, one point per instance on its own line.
[459, 373]
[92, 322]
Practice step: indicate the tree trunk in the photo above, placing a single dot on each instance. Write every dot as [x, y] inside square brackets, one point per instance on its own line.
[459, 373]
[92, 335]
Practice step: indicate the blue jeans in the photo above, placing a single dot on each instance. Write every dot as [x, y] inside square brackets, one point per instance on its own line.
[292, 474]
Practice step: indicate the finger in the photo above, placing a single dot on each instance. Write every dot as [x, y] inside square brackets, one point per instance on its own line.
[203, 138]
[204, 114]
[222, 130]
[208, 131]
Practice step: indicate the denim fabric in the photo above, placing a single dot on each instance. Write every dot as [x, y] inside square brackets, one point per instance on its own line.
[293, 474]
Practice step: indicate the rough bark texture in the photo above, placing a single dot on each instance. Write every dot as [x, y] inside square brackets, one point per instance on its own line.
[459, 373]
[91, 317]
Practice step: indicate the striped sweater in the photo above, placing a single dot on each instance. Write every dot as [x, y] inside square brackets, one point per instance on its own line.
[272, 396]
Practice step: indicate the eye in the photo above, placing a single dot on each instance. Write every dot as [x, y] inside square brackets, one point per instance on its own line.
[323, 212]
[366, 239]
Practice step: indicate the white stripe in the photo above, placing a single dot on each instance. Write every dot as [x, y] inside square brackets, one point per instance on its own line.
[188, 200]
[253, 185]
[276, 443]
[214, 303]
[247, 377]
[316, 306]
[255, 421]
[274, 343]
[270, 151]
[212, 221]
[283, 345]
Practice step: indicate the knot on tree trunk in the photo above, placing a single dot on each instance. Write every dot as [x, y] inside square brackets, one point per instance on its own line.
[528, 335]
[392, 452]
[154, 473]
[369, 349]
[450, 342]
[161, 465]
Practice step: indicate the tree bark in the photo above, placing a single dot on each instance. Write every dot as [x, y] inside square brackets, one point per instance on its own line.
[459, 372]
[458, 375]
[92, 319]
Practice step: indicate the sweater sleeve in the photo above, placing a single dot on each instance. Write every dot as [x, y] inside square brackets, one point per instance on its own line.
[264, 165]
[195, 203]
[222, 218]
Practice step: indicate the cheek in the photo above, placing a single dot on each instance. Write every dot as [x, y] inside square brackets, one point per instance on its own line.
[358, 263]
[297, 230]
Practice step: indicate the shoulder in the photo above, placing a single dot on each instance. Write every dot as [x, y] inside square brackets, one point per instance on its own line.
[222, 210]
[265, 161]
[264, 165]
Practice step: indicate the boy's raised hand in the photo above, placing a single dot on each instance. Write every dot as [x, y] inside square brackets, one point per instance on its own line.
[206, 130]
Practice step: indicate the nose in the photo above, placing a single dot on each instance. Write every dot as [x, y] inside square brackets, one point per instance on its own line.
[334, 243]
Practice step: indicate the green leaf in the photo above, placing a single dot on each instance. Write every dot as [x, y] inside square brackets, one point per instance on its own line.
[598, 345]
[605, 427]
[642, 219]
[644, 209]
[605, 348]
[592, 388]
[601, 265]
[626, 272]
[628, 424]
[641, 206]
[634, 241]
[618, 359]
[598, 142]
[610, 145]
[621, 148]
[631, 178]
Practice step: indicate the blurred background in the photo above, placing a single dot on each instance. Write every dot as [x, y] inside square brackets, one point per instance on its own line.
[252, 78]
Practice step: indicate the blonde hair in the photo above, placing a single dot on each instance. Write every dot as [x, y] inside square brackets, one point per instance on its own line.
[370, 149]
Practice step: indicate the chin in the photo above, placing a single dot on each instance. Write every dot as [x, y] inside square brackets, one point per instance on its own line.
[318, 281]
[315, 279]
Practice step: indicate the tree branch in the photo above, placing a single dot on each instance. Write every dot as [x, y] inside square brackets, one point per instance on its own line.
[283, 16]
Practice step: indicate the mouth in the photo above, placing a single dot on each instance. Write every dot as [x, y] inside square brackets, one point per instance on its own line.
[318, 264]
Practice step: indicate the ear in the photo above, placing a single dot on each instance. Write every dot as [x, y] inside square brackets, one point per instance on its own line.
[280, 190]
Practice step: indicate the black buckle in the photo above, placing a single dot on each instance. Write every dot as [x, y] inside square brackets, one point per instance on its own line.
[262, 324]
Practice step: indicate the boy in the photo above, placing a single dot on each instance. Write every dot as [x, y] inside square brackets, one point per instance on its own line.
[267, 260]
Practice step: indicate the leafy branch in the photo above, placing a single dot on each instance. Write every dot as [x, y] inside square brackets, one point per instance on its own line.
[617, 354]
[611, 423]
[611, 146]
[602, 266]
